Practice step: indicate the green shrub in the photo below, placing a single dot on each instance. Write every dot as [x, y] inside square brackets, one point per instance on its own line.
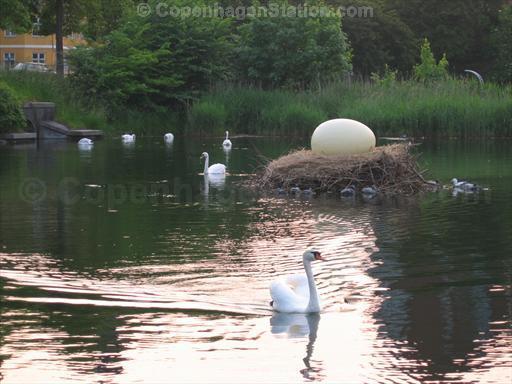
[292, 52]
[428, 70]
[11, 116]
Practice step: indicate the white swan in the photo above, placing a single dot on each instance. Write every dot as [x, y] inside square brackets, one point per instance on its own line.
[85, 143]
[227, 143]
[168, 138]
[464, 185]
[128, 138]
[297, 293]
[215, 169]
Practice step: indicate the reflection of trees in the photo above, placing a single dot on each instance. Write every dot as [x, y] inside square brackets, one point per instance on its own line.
[439, 258]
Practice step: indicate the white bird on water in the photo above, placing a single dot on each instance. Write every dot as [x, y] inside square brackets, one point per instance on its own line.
[85, 142]
[127, 138]
[297, 293]
[215, 169]
[227, 143]
[464, 185]
[168, 138]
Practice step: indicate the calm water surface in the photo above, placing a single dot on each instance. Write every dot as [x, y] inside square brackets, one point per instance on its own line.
[124, 265]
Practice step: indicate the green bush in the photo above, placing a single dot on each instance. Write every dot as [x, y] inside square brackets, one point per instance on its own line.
[292, 52]
[11, 116]
[154, 64]
[428, 70]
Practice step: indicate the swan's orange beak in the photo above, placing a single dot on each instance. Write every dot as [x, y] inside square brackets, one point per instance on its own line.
[318, 256]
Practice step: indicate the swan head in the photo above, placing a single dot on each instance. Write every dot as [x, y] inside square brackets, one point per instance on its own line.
[204, 155]
[454, 181]
[312, 255]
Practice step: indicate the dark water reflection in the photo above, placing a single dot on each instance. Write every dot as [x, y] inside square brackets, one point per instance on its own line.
[123, 264]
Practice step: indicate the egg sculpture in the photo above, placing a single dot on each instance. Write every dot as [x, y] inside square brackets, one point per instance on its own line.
[342, 137]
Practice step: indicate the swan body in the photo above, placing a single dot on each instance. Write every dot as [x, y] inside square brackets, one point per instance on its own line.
[349, 191]
[128, 138]
[227, 143]
[169, 138]
[370, 191]
[464, 185]
[85, 142]
[295, 190]
[297, 293]
[215, 169]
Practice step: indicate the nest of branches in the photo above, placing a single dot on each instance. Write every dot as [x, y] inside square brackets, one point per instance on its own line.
[392, 169]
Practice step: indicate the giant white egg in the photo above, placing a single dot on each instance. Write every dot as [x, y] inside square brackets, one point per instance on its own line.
[342, 137]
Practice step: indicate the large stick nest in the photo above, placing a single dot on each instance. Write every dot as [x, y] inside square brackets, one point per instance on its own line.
[393, 169]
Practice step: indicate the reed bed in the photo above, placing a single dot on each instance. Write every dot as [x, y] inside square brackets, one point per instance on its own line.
[392, 169]
[450, 108]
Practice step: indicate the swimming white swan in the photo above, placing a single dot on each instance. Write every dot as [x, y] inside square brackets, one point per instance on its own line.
[464, 185]
[227, 143]
[85, 142]
[128, 138]
[215, 169]
[297, 293]
[168, 138]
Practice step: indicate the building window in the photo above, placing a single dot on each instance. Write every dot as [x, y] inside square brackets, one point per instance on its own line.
[9, 60]
[9, 57]
[38, 57]
[9, 34]
[36, 27]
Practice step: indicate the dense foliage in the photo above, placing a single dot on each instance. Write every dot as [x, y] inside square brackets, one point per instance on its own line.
[292, 51]
[155, 62]
[501, 44]
[11, 116]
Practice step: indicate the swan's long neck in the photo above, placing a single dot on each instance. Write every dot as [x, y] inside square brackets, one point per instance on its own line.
[206, 163]
[227, 135]
[314, 302]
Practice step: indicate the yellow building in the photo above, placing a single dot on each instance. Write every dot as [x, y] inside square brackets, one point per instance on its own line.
[32, 48]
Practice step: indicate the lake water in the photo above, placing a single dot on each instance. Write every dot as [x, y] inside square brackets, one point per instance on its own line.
[122, 265]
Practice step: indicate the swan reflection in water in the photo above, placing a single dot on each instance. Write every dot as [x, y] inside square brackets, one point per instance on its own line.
[216, 181]
[299, 325]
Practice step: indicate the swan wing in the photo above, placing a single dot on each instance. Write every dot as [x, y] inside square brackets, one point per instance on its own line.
[217, 168]
[299, 284]
[285, 297]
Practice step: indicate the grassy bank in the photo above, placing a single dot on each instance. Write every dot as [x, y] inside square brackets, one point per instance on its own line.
[77, 113]
[33, 86]
[449, 108]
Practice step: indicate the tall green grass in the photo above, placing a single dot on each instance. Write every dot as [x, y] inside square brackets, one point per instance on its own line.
[448, 108]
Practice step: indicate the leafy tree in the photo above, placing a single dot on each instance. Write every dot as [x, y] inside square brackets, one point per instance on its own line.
[15, 15]
[428, 70]
[461, 28]
[292, 51]
[501, 44]
[156, 62]
[380, 39]
[95, 18]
